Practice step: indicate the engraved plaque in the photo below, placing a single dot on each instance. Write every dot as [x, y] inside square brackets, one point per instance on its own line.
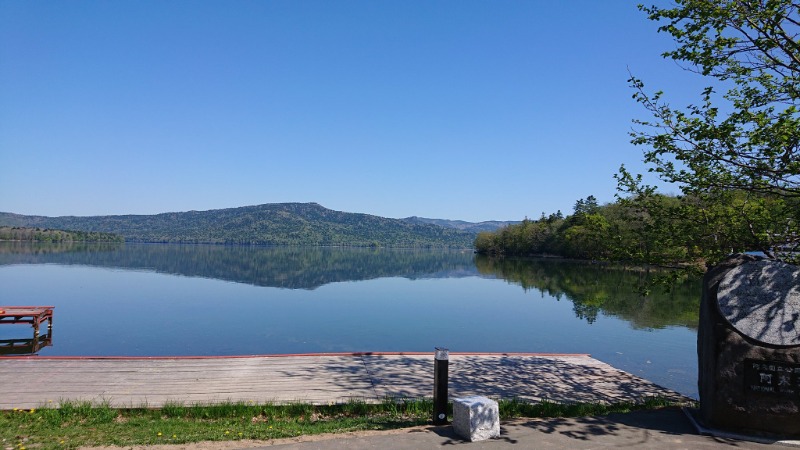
[772, 378]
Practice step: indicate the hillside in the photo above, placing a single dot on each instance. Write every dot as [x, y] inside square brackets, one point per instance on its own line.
[472, 227]
[268, 224]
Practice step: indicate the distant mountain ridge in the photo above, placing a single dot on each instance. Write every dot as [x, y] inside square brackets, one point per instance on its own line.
[267, 224]
[475, 227]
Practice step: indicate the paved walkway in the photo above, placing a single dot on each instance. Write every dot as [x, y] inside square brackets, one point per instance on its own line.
[130, 382]
[653, 430]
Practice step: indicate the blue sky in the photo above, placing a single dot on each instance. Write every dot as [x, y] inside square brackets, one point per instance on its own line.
[472, 110]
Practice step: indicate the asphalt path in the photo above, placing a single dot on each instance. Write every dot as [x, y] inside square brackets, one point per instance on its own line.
[667, 428]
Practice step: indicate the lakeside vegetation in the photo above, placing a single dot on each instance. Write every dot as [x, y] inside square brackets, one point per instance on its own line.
[40, 235]
[74, 425]
[656, 229]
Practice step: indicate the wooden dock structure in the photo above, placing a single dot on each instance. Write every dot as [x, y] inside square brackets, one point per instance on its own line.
[35, 381]
[33, 315]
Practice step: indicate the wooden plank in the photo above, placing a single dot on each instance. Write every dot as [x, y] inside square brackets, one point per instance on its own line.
[38, 381]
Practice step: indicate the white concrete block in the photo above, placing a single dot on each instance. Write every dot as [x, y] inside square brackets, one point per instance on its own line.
[476, 418]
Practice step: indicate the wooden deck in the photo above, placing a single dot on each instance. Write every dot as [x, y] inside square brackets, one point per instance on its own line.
[32, 382]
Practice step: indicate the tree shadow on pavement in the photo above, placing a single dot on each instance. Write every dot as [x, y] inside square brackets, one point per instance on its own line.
[451, 438]
[564, 379]
[637, 429]
[533, 378]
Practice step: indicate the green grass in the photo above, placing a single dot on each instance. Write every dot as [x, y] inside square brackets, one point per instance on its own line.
[511, 409]
[83, 424]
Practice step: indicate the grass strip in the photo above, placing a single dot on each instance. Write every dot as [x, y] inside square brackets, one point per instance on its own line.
[75, 424]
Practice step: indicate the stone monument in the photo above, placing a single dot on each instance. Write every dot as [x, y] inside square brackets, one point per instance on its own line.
[476, 418]
[748, 346]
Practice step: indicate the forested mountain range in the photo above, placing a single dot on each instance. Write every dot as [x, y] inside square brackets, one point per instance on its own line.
[475, 227]
[268, 224]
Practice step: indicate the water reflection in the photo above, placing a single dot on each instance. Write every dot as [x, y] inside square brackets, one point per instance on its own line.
[283, 267]
[612, 289]
[44, 248]
[25, 346]
[592, 288]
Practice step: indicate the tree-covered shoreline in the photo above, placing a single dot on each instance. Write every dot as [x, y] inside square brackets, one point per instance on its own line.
[33, 234]
[657, 229]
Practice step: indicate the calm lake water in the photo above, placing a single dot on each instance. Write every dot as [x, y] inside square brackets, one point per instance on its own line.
[164, 300]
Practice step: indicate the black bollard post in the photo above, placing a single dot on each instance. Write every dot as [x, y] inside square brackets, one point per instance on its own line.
[441, 361]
